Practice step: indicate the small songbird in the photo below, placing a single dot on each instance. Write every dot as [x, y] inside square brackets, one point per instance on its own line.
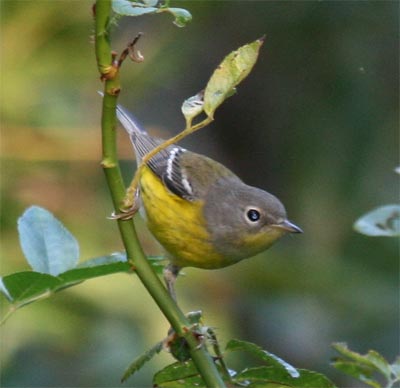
[200, 211]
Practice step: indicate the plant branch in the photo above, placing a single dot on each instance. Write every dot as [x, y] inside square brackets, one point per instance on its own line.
[109, 72]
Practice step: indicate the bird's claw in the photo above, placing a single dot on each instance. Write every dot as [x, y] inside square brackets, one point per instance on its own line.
[125, 214]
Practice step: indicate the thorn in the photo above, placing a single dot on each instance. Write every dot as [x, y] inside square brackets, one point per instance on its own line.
[135, 55]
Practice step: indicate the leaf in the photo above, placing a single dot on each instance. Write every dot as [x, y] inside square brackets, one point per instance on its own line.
[179, 374]
[81, 274]
[47, 245]
[231, 71]
[343, 349]
[272, 359]
[264, 384]
[150, 3]
[182, 16]
[274, 377]
[356, 370]
[104, 260]
[395, 367]
[363, 366]
[127, 8]
[383, 221]
[193, 106]
[372, 360]
[140, 361]
[379, 362]
[21, 287]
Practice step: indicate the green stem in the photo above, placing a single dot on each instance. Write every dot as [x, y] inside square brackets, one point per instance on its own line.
[136, 257]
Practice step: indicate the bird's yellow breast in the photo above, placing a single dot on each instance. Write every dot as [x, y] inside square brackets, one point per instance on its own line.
[179, 225]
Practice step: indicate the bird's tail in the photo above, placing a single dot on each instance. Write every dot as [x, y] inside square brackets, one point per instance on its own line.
[129, 122]
[141, 141]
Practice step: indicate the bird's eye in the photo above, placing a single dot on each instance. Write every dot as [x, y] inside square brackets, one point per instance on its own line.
[253, 215]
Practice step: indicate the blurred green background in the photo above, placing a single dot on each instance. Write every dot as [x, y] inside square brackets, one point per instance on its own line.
[316, 123]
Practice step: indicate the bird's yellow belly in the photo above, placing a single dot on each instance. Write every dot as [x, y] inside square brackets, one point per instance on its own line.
[178, 225]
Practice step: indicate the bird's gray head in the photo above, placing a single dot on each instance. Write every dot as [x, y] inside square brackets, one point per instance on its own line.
[244, 220]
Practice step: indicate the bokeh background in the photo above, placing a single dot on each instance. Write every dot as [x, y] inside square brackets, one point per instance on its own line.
[316, 123]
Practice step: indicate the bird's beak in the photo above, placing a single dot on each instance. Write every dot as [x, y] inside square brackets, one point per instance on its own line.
[288, 227]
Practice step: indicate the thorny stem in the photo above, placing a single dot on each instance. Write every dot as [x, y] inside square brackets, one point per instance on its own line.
[109, 72]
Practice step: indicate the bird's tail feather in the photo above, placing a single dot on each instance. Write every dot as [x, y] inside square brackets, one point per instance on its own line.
[128, 122]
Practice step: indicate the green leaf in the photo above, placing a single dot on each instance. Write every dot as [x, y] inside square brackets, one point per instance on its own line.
[179, 374]
[263, 384]
[395, 367]
[383, 221]
[364, 366]
[379, 362]
[271, 359]
[356, 370]
[115, 257]
[21, 287]
[130, 8]
[182, 16]
[193, 106]
[364, 360]
[140, 361]
[47, 245]
[150, 3]
[274, 377]
[343, 349]
[127, 8]
[81, 274]
[231, 71]
[24, 287]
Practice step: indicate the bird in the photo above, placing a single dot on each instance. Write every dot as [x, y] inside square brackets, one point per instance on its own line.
[201, 213]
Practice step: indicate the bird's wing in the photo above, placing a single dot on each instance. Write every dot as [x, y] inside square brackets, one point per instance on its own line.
[166, 164]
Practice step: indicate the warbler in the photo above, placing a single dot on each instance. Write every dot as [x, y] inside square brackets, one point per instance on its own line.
[200, 211]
